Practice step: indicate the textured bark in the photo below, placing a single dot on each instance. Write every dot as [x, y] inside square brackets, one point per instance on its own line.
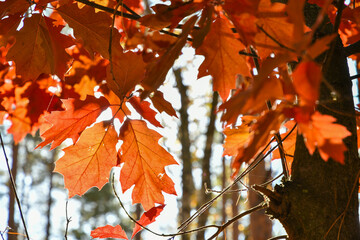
[321, 200]
[205, 165]
[11, 216]
[260, 224]
[187, 180]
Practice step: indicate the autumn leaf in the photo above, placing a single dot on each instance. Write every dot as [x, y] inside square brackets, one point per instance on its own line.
[109, 231]
[125, 76]
[39, 48]
[222, 59]
[161, 104]
[323, 133]
[261, 131]
[73, 121]
[235, 137]
[12, 7]
[143, 108]
[306, 79]
[144, 164]
[147, 218]
[88, 163]
[157, 70]
[93, 29]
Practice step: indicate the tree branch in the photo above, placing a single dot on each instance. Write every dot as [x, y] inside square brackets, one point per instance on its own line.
[352, 49]
[237, 217]
[14, 187]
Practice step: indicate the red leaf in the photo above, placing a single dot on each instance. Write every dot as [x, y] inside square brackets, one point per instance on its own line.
[88, 163]
[147, 218]
[109, 232]
[39, 48]
[143, 108]
[144, 164]
[71, 122]
[161, 104]
[222, 59]
[156, 71]
[306, 79]
[321, 132]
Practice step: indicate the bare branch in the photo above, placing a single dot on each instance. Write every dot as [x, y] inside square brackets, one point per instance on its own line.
[14, 187]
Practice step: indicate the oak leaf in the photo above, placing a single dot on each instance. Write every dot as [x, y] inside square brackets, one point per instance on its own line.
[73, 121]
[161, 104]
[143, 108]
[39, 48]
[93, 29]
[124, 76]
[157, 70]
[147, 218]
[88, 163]
[144, 164]
[323, 133]
[109, 231]
[306, 79]
[222, 59]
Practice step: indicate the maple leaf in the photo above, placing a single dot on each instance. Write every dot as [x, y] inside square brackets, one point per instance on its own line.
[71, 122]
[156, 71]
[147, 218]
[306, 79]
[321, 132]
[93, 29]
[88, 163]
[222, 59]
[8, 28]
[39, 48]
[143, 108]
[125, 76]
[109, 231]
[144, 164]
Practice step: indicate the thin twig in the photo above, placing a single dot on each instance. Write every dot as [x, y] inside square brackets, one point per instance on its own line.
[355, 76]
[68, 220]
[14, 187]
[279, 237]
[237, 217]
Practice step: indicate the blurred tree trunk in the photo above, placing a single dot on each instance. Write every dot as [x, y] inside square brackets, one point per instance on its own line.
[260, 224]
[224, 197]
[138, 215]
[50, 200]
[12, 203]
[235, 211]
[205, 166]
[187, 179]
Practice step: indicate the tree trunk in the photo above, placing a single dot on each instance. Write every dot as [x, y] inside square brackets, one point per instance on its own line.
[50, 200]
[11, 220]
[187, 180]
[321, 200]
[235, 211]
[205, 166]
[260, 224]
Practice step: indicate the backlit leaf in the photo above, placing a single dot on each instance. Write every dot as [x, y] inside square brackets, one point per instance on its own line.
[109, 231]
[144, 164]
[88, 163]
[147, 218]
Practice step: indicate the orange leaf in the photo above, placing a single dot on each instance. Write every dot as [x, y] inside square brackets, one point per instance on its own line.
[39, 48]
[147, 218]
[71, 122]
[156, 71]
[262, 130]
[125, 76]
[306, 79]
[143, 108]
[222, 59]
[93, 29]
[109, 231]
[88, 163]
[144, 164]
[235, 138]
[12, 7]
[161, 104]
[327, 136]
